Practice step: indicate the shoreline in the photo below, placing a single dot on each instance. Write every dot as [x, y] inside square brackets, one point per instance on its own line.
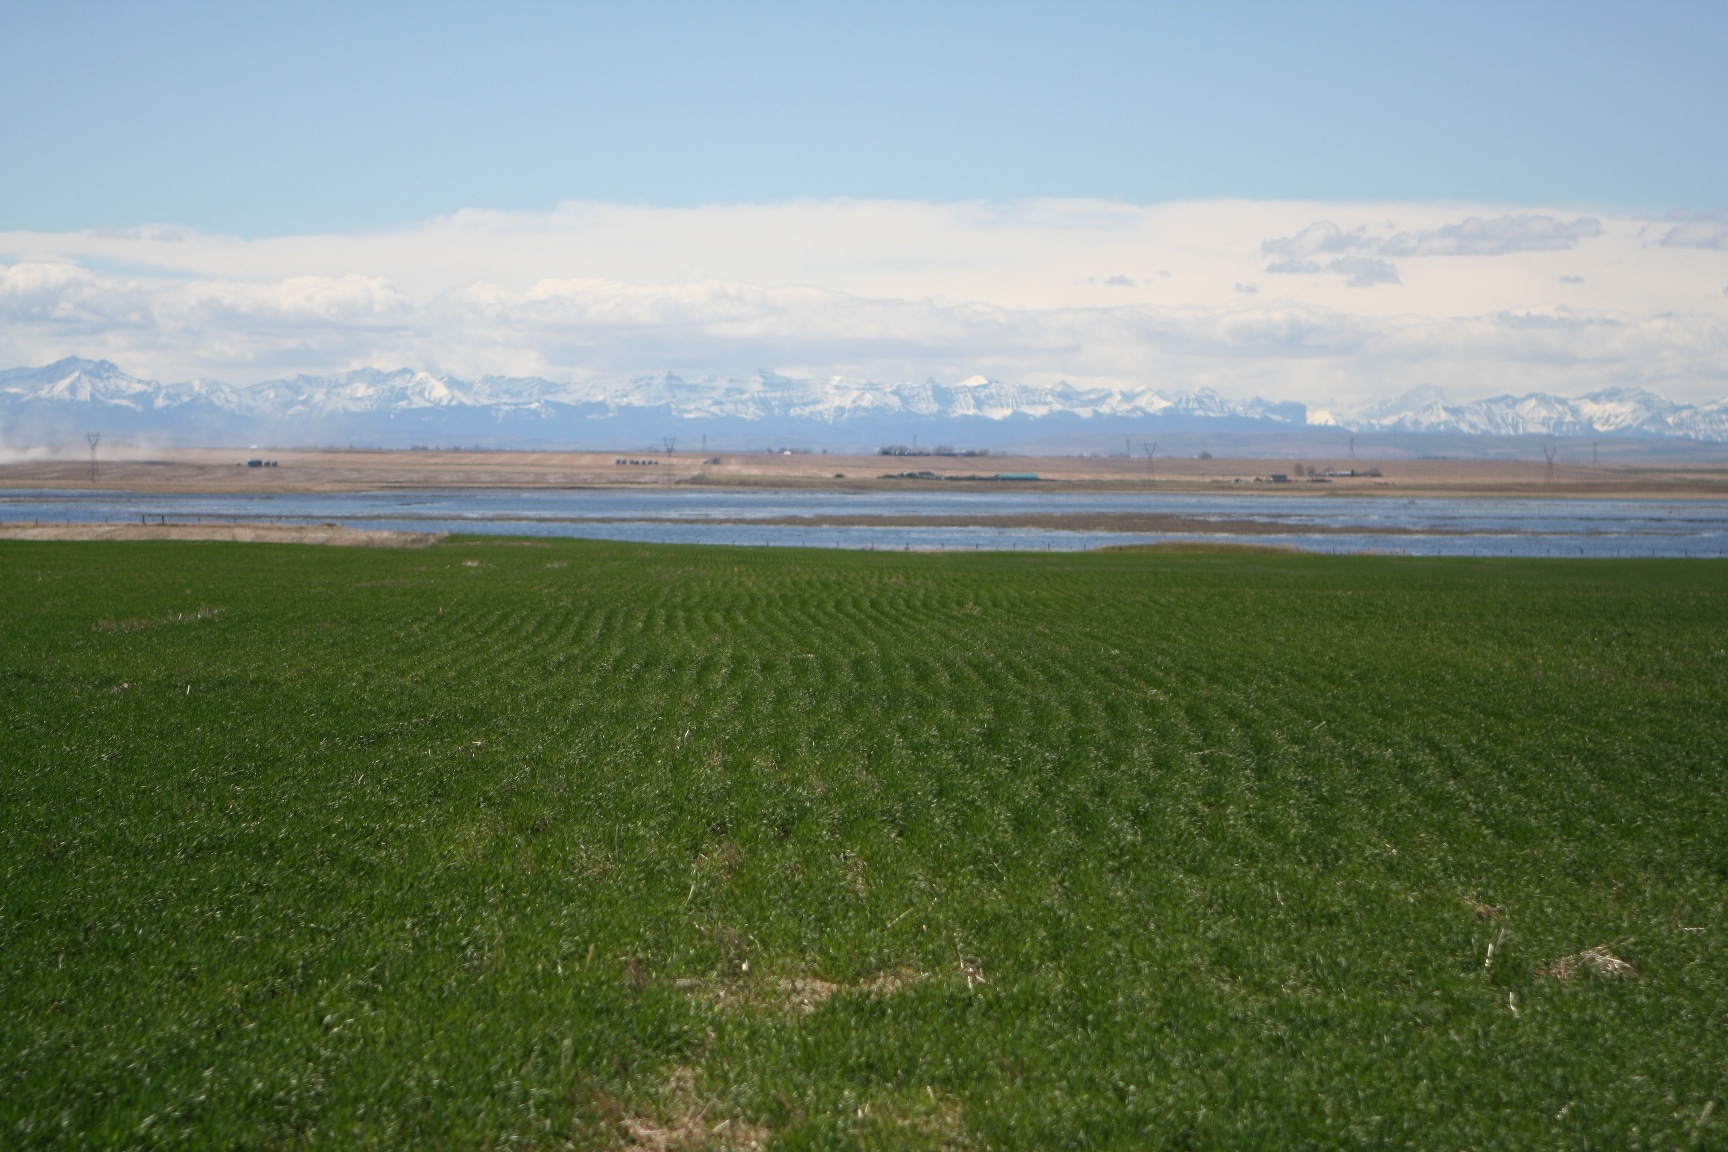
[332, 534]
[1120, 523]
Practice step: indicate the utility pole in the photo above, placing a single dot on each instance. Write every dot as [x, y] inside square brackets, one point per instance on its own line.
[94, 438]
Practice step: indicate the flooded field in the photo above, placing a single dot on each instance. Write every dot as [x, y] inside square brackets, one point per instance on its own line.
[934, 521]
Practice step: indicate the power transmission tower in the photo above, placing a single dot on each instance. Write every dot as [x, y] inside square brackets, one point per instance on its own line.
[94, 438]
[1549, 452]
[1352, 447]
[1151, 466]
[671, 443]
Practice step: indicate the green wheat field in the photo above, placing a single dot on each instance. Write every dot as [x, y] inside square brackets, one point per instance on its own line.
[506, 844]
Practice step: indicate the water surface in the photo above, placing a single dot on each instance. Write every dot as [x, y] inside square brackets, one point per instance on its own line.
[1421, 526]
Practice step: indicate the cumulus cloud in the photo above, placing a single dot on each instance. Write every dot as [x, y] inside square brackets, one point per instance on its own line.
[1476, 236]
[1318, 239]
[1704, 230]
[1297, 256]
[1365, 271]
[1366, 265]
[68, 294]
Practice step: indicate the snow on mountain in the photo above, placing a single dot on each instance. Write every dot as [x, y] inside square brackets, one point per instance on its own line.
[370, 402]
[97, 382]
[1609, 412]
[365, 390]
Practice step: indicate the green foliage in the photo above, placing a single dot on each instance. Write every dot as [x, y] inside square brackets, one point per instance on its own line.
[506, 844]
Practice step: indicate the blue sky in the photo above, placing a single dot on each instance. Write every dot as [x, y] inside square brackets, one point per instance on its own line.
[254, 119]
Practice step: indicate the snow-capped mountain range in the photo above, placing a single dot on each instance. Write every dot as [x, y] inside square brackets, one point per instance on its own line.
[395, 408]
[1609, 412]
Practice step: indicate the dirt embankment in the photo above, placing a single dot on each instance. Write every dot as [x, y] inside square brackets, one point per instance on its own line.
[192, 470]
[237, 533]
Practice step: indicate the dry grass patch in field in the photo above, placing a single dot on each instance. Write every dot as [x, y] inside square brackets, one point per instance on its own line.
[791, 995]
[1599, 960]
[684, 1121]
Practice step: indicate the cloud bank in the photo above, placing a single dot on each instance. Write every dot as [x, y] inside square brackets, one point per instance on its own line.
[1362, 301]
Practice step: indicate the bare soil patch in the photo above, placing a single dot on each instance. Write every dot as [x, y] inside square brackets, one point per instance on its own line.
[319, 470]
[233, 533]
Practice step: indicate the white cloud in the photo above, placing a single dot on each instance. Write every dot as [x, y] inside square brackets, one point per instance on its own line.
[1497, 237]
[1365, 271]
[1320, 238]
[1701, 231]
[1474, 236]
[1097, 294]
[62, 295]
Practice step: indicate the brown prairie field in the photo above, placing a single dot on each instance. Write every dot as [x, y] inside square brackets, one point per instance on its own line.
[213, 470]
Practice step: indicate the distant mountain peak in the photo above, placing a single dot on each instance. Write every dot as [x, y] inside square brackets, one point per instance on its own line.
[370, 400]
